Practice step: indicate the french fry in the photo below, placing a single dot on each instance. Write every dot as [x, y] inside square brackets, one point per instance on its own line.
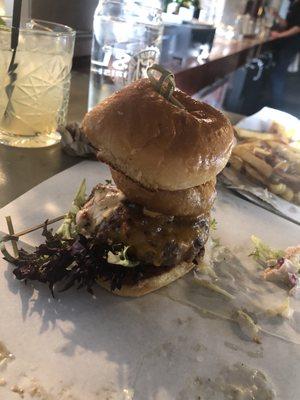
[277, 128]
[280, 129]
[295, 179]
[282, 165]
[288, 194]
[236, 163]
[263, 152]
[297, 198]
[282, 190]
[270, 163]
[287, 152]
[260, 165]
[249, 145]
[254, 175]
[277, 188]
[248, 134]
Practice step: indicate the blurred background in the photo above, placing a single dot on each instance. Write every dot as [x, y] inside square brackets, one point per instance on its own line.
[195, 32]
[241, 56]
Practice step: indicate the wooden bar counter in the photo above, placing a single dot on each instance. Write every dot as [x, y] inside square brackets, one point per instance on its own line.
[225, 57]
[191, 76]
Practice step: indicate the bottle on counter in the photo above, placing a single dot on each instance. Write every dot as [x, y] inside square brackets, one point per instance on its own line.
[197, 9]
[172, 7]
[127, 37]
[238, 27]
[186, 10]
[260, 23]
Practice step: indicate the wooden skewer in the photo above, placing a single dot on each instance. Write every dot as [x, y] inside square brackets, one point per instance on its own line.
[15, 236]
[165, 84]
[11, 232]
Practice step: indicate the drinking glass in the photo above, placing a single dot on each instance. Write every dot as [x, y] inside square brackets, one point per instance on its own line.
[34, 95]
[127, 38]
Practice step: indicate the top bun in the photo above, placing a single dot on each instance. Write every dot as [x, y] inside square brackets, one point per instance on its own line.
[157, 144]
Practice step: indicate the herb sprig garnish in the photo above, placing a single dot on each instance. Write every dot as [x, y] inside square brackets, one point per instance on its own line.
[80, 262]
[71, 262]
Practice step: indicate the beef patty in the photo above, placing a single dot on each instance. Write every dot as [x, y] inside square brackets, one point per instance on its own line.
[154, 239]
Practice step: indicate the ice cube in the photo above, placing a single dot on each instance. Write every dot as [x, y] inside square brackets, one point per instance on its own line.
[34, 25]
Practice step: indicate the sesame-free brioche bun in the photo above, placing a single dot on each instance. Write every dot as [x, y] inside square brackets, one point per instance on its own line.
[189, 202]
[157, 144]
[151, 284]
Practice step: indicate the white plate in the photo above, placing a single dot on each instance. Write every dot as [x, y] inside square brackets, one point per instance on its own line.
[80, 347]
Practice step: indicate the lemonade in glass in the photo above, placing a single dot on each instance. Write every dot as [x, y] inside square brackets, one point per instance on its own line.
[34, 94]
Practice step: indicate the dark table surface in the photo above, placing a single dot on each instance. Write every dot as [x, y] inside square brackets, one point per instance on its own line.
[22, 169]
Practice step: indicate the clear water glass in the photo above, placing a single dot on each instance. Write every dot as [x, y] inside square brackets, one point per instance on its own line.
[127, 38]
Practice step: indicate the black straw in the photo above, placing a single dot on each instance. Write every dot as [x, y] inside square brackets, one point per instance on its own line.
[16, 19]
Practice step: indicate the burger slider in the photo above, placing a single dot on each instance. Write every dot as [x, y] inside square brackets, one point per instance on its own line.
[164, 159]
[164, 150]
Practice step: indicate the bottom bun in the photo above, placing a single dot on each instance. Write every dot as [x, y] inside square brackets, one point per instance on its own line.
[151, 284]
